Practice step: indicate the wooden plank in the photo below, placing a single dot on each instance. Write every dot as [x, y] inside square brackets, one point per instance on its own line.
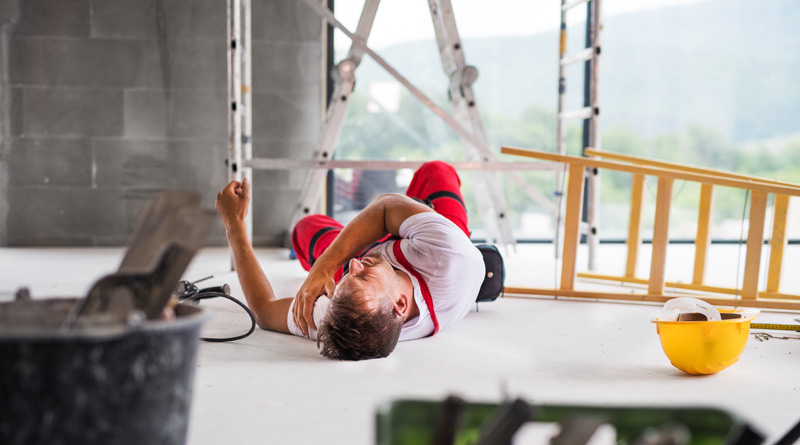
[658, 263]
[703, 240]
[687, 286]
[572, 221]
[681, 167]
[634, 225]
[519, 292]
[755, 241]
[778, 296]
[653, 171]
[777, 244]
[667, 284]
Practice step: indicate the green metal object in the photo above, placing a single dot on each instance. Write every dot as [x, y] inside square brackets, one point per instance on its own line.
[407, 422]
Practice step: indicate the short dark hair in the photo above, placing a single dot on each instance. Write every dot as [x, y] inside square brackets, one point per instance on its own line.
[353, 331]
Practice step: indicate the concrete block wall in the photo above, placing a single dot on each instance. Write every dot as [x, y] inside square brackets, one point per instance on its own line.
[106, 102]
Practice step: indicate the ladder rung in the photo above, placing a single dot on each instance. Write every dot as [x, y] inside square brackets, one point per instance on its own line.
[582, 113]
[572, 4]
[582, 56]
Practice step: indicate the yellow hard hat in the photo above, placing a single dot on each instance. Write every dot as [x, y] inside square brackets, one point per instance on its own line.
[705, 347]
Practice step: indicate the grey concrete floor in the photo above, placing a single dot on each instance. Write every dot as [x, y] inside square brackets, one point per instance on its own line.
[275, 388]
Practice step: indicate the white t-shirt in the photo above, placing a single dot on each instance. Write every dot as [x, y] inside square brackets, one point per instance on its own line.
[445, 258]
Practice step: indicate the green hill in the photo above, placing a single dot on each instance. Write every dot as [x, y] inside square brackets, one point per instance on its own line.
[732, 66]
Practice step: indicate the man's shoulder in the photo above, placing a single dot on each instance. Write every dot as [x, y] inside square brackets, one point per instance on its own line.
[431, 227]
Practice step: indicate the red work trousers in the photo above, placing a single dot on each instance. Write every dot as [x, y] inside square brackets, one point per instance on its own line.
[435, 182]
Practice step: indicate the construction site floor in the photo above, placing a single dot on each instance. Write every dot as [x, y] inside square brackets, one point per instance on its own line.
[276, 388]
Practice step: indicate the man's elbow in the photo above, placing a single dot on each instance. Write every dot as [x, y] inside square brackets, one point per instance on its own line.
[261, 323]
[267, 324]
[272, 316]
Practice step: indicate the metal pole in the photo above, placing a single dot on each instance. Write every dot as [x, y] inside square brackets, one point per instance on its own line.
[247, 108]
[587, 127]
[329, 86]
[562, 86]
[286, 163]
[234, 160]
[234, 91]
[593, 184]
[561, 146]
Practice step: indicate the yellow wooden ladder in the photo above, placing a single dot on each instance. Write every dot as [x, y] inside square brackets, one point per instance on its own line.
[666, 172]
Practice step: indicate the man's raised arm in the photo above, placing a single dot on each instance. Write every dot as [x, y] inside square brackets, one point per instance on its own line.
[270, 312]
[379, 218]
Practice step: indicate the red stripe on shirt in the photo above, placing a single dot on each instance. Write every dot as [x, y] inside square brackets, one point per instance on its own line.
[426, 294]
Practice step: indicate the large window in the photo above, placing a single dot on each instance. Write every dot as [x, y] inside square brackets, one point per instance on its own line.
[708, 83]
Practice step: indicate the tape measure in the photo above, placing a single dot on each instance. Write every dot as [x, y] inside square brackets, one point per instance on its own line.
[776, 327]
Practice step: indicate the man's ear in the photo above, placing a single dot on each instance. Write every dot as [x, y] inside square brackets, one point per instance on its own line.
[401, 305]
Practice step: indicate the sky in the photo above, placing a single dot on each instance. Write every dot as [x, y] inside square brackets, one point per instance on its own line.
[408, 20]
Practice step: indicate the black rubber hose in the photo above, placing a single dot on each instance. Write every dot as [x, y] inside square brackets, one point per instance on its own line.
[206, 295]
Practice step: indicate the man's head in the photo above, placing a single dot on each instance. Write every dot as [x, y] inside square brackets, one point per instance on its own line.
[366, 312]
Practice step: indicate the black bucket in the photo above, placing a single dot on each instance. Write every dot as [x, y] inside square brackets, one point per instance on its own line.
[125, 385]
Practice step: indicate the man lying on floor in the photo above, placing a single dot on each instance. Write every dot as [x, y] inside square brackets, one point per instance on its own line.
[400, 270]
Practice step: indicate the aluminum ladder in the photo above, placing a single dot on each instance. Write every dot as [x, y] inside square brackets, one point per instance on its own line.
[589, 114]
[465, 120]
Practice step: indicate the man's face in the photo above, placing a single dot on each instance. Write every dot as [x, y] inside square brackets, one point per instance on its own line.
[369, 277]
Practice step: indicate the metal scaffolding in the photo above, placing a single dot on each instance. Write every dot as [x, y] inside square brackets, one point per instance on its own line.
[465, 120]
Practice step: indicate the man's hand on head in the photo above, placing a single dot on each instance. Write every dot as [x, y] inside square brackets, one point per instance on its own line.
[318, 283]
[232, 203]
[383, 216]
